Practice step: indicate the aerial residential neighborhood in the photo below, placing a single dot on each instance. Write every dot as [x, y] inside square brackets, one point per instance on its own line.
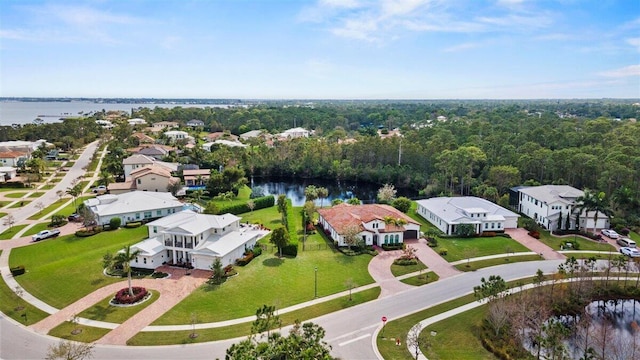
[320, 179]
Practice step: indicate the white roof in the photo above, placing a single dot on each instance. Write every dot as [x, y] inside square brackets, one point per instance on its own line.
[176, 132]
[553, 193]
[138, 159]
[189, 222]
[150, 247]
[230, 143]
[296, 130]
[222, 245]
[250, 134]
[452, 209]
[129, 202]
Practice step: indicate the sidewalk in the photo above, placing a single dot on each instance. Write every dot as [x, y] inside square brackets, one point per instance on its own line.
[434, 261]
[521, 235]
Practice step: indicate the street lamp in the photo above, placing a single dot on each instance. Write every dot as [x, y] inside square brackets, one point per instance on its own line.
[315, 288]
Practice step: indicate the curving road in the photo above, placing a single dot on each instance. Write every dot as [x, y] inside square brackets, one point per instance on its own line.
[348, 331]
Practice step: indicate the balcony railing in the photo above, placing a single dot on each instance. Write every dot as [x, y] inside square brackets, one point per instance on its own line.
[168, 242]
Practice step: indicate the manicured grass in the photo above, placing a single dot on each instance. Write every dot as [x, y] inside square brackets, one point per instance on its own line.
[18, 204]
[84, 184]
[2, 214]
[103, 311]
[422, 279]
[48, 187]
[243, 196]
[63, 270]
[270, 280]
[399, 270]
[87, 335]
[230, 332]
[587, 255]
[9, 233]
[399, 328]
[37, 228]
[15, 307]
[36, 194]
[48, 209]
[462, 248]
[456, 337]
[69, 163]
[70, 209]
[475, 265]
[9, 189]
[634, 236]
[15, 195]
[584, 244]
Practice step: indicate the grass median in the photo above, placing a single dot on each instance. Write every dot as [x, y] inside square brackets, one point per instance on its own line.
[230, 332]
[475, 265]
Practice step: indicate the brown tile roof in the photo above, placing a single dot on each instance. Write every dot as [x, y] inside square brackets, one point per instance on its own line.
[151, 169]
[12, 154]
[197, 172]
[144, 138]
[345, 215]
[122, 185]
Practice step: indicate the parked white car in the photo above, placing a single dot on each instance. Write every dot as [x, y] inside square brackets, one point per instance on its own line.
[611, 234]
[631, 252]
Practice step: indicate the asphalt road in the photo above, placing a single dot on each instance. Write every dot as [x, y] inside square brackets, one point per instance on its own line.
[349, 331]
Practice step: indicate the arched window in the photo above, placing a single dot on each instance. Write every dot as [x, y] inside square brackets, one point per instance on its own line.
[397, 238]
[386, 238]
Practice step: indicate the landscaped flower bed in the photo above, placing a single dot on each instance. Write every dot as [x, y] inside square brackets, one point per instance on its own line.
[123, 297]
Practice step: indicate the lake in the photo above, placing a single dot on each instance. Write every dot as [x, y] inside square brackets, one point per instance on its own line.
[344, 190]
[24, 112]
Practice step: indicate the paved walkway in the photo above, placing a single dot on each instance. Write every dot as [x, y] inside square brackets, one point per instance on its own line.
[522, 236]
[380, 271]
[434, 261]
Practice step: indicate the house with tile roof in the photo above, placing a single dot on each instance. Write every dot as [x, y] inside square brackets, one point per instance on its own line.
[196, 177]
[152, 177]
[447, 213]
[187, 238]
[376, 224]
[13, 158]
[143, 138]
[138, 161]
[547, 204]
[133, 206]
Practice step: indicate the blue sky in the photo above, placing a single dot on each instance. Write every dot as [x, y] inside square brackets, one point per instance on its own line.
[324, 49]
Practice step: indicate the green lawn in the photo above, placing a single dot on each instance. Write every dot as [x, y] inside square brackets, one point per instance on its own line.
[463, 248]
[456, 337]
[103, 311]
[14, 307]
[2, 214]
[635, 237]
[37, 228]
[18, 204]
[36, 194]
[48, 209]
[229, 332]
[585, 244]
[70, 209]
[88, 334]
[63, 270]
[48, 187]
[475, 265]
[9, 233]
[16, 195]
[587, 255]
[422, 279]
[399, 270]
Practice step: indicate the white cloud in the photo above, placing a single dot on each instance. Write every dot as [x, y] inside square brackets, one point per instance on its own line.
[635, 42]
[627, 71]
[347, 4]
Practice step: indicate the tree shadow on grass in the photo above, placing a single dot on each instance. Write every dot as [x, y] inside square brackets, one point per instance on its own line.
[99, 312]
[273, 262]
[97, 281]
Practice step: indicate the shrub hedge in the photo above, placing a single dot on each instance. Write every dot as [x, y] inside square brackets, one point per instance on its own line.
[123, 297]
[132, 225]
[88, 232]
[260, 203]
[290, 250]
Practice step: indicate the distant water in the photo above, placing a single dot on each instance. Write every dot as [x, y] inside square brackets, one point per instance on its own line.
[23, 112]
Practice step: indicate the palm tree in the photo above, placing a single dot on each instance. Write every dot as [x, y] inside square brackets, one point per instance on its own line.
[105, 178]
[123, 259]
[74, 191]
[597, 203]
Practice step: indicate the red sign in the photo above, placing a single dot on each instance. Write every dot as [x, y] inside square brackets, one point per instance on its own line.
[384, 319]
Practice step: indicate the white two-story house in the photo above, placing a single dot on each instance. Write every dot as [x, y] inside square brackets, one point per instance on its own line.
[133, 206]
[446, 213]
[546, 204]
[375, 224]
[187, 238]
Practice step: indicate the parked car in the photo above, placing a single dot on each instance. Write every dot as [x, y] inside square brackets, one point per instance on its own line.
[74, 217]
[631, 252]
[99, 189]
[45, 234]
[611, 234]
[626, 242]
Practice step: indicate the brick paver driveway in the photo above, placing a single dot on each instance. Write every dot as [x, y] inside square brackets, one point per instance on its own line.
[522, 236]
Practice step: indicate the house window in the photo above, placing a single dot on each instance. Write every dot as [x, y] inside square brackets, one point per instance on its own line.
[486, 225]
[147, 214]
[137, 216]
[493, 225]
[136, 259]
[386, 238]
[155, 229]
[144, 260]
[397, 238]
[159, 213]
[139, 181]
